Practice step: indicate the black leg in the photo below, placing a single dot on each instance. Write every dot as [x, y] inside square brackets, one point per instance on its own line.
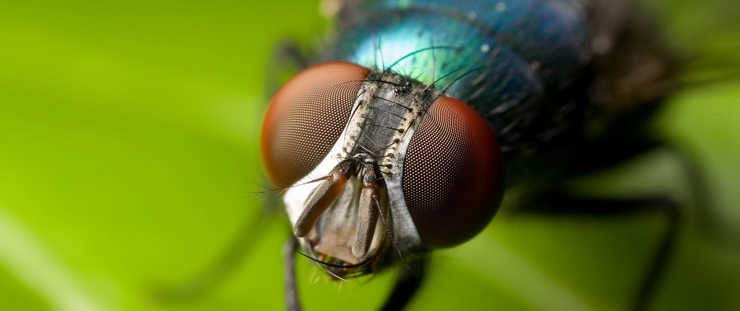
[604, 155]
[286, 60]
[289, 51]
[563, 205]
[407, 284]
[703, 199]
[658, 265]
[213, 275]
[292, 303]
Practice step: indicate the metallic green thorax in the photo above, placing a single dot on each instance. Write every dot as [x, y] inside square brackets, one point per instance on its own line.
[502, 58]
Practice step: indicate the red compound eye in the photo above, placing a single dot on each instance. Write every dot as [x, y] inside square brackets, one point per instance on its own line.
[306, 117]
[452, 174]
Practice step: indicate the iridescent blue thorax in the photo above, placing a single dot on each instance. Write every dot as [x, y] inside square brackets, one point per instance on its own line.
[502, 58]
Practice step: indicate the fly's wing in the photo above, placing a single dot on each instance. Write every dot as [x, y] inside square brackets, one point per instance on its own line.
[706, 35]
[642, 53]
[645, 51]
[632, 64]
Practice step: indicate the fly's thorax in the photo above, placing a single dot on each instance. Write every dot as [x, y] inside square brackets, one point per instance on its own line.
[514, 62]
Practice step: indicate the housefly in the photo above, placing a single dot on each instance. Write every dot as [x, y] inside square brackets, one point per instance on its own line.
[397, 142]
[405, 132]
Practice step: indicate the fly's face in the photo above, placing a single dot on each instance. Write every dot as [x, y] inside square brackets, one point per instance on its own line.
[378, 168]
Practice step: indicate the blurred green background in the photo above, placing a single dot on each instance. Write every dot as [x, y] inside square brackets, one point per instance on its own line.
[129, 161]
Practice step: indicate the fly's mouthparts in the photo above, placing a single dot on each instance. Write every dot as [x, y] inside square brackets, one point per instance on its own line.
[348, 238]
[369, 210]
[320, 200]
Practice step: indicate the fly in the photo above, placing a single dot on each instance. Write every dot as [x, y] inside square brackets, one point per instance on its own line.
[451, 97]
[405, 132]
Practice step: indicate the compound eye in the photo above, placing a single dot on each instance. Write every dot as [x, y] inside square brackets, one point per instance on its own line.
[305, 119]
[452, 174]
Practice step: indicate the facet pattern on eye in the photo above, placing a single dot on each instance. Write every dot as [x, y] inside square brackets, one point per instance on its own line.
[450, 178]
[305, 119]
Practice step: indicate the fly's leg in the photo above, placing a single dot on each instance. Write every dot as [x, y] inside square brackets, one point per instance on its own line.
[620, 145]
[222, 267]
[658, 265]
[698, 182]
[615, 150]
[292, 302]
[564, 205]
[409, 281]
[289, 50]
[287, 59]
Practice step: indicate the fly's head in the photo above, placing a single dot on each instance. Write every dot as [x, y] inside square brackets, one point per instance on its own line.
[378, 168]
